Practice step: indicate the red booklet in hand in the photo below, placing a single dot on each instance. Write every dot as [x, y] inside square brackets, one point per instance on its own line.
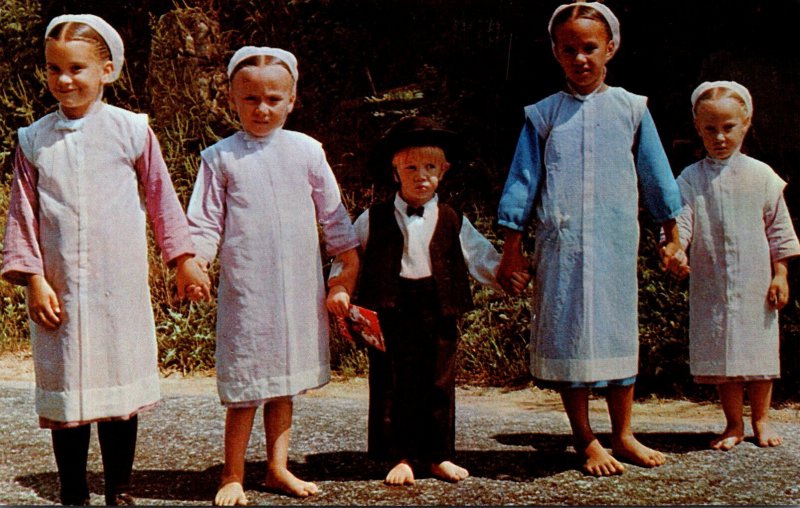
[361, 326]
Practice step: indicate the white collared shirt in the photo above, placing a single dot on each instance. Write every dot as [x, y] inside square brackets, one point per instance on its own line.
[480, 256]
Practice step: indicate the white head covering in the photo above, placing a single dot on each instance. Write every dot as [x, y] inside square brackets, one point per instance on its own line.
[106, 31]
[604, 11]
[281, 54]
[735, 87]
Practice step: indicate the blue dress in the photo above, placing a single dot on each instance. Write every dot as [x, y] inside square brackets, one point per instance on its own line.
[580, 162]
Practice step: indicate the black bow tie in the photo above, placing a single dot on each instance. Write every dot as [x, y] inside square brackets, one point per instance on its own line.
[415, 210]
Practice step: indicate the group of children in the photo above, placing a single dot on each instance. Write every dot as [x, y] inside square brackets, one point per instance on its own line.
[89, 171]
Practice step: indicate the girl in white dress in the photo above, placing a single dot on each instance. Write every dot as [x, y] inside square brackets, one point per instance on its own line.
[84, 176]
[259, 197]
[740, 235]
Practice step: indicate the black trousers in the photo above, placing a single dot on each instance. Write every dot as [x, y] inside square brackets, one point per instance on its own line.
[412, 385]
[117, 446]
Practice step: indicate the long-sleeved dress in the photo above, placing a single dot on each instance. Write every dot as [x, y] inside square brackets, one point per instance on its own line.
[79, 199]
[735, 224]
[580, 161]
[259, 200]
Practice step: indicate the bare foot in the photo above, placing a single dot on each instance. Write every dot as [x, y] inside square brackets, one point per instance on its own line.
[731, 437]
[400, 474]
[629, 448]
[765, 435]
[282, 480]
[449, 472]
[230, 494]
[599, 462]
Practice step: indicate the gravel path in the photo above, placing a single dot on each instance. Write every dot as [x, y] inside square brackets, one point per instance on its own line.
[516, 445]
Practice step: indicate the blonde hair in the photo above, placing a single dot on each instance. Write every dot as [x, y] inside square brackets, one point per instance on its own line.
[263, 61]
[76, 31]
[721, 92]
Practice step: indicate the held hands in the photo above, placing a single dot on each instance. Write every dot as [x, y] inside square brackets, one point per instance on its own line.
[192, 279]
[43, 306]
[519, 281]
[513, 273]
[674, 260]
[338, 301]
[340, 286]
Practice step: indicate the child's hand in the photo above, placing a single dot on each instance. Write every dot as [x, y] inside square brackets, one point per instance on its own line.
[513, 261]
[192, 279]
[674, 260]
[195, 293]
[338, 301]
[519, 281]
[778, 294]
[43, 306]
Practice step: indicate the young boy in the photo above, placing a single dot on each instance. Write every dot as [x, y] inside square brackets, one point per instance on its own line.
[417, 253]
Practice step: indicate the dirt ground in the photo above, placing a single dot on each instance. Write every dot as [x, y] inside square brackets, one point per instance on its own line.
[19, 367]
[516, 445]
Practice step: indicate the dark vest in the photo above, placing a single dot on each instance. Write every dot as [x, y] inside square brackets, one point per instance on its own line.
[380, 270]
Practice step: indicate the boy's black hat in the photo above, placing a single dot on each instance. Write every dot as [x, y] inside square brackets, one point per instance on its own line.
[409, 132]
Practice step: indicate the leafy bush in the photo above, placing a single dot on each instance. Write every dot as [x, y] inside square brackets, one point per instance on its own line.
[472, 68]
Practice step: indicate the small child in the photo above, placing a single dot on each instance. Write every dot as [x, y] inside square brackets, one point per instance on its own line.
[76, 239]
[259, 196]
[581, 159]
[741, 236]
[418, 254]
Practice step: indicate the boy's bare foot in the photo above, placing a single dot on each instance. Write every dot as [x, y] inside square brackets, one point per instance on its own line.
[282, 480]
[448, 471]
[599, 462]
[765, 435]
[732, 436]
[230, 494]
[400, 474]
[629, 448]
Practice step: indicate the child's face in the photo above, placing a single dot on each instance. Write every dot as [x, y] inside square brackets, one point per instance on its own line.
[723, 124]
[419, 171]
[75, 75]
[262, 97]
[582, 50]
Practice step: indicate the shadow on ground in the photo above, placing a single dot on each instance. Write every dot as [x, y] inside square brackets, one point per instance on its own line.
[669, 442]
[547, 455]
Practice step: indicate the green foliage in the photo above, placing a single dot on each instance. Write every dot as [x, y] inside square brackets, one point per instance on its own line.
[23, 88]
[494, 340]
[363, 65]
[186, 339]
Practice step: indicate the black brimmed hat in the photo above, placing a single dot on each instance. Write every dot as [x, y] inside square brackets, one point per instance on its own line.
[409, 132]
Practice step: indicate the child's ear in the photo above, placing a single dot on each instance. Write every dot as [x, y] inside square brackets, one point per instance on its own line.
[291, 103]
[395, 176]
[610, 49]
[108, 70]
[445, 167]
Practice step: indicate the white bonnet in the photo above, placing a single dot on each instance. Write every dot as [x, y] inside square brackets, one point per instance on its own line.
[106, 31]
[281, 54]
[735, 87]
[604, 11]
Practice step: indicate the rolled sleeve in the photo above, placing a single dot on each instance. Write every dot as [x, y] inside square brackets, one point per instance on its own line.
[337, 227]
[169, 224]
[661, 195]
[206, 211]
[481, 257]
[22, 255]
[523, 182]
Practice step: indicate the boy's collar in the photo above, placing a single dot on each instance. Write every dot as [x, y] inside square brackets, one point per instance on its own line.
[402, 205]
